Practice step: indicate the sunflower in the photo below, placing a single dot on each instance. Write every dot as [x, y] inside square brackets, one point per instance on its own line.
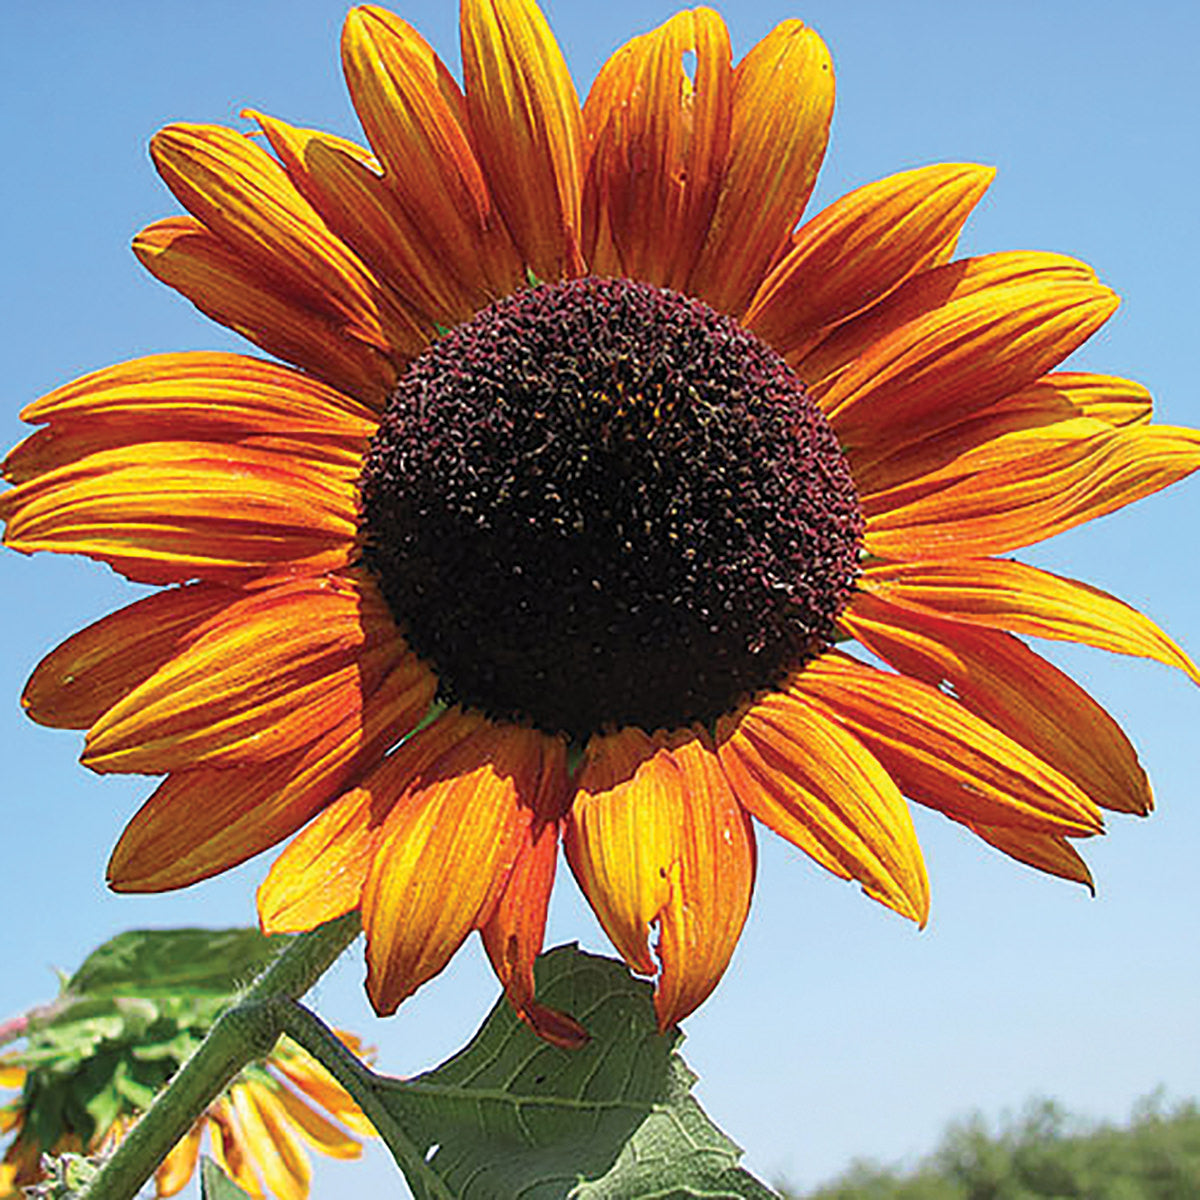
[580, 467]
[258, 1128]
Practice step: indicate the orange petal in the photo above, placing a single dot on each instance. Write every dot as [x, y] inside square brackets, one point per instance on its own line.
[659, 141]
[513, 935]
[942, 755]
[306, 1074]
[225, 398]
[1042, 851]
[782, 103]
[655, 835]
[204, 821]
[243, 196]
[861, 248]
[1025, 487]
[921, 302]
[274, 1148]
[999, 679]
[1059, 396]
[184, 255]
[76, 683]
[271, 673]
[176, 1169]
[1001, 594]
[527, 127]
[922, 371]
[343, 183]
[447, 851]
[815, 784]
[165, 512]
[320, 875]
[415, 118]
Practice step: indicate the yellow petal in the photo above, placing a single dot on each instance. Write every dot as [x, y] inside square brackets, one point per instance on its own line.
[656, 837]
[942, 755]
[1002, 594]
[814, 783]
[447, 850]
[415, 118]
[781, 106]
[271, 673]
[860, 249]
[999, 679]
[659, 142]
[1027, 486]
[528, 130]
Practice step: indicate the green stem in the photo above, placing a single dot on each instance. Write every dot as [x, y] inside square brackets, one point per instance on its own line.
[366, 1088]
[245, 1032]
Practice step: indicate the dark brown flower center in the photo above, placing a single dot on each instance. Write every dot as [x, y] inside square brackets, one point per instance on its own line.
[599, 504]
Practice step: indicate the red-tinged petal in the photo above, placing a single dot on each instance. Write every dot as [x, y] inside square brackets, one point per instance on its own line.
[283, 1164]
[183, 254]
[860, 249]
[225, 398]
[513, 935]
[998, 678]
[320, 875]
[1001, 594]
[527, 128]
[229, 1149]
[1059, 396]
[812, 782]
[271, 673]
[343, 182]
[166, 512]
[775, 152]
[656, 837]
[204, 821]
[447, 851]
[943, 756]
[1042, 851]
[76, 683]
[177, 1168]
[243, 196]
[1025, 487]
[659, 142]
[415, 118]
[960, 355]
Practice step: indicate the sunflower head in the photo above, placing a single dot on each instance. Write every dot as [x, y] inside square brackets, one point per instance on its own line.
[587, 491]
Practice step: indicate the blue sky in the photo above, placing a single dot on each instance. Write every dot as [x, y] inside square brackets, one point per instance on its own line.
[839, 1030]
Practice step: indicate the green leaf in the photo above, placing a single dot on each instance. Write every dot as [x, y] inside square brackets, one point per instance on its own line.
[216, 1185]
[168, 962]
[511, 1115]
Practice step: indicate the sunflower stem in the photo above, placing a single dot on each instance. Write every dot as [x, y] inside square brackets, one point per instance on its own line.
[366, 1087]
[244, 1032]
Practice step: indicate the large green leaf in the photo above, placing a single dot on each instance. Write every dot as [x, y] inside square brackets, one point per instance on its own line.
[171, 962]
[513, 1116]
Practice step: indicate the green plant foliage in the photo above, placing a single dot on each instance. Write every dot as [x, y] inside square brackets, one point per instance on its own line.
[511, 1115]
[216, 1185]
[126, 1020]
[168, 962]
[1047, 1155]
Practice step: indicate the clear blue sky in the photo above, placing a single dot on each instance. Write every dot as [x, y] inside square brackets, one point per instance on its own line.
[839, 1030]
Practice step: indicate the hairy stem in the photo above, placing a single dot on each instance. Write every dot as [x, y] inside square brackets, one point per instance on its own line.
[245, 1032]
